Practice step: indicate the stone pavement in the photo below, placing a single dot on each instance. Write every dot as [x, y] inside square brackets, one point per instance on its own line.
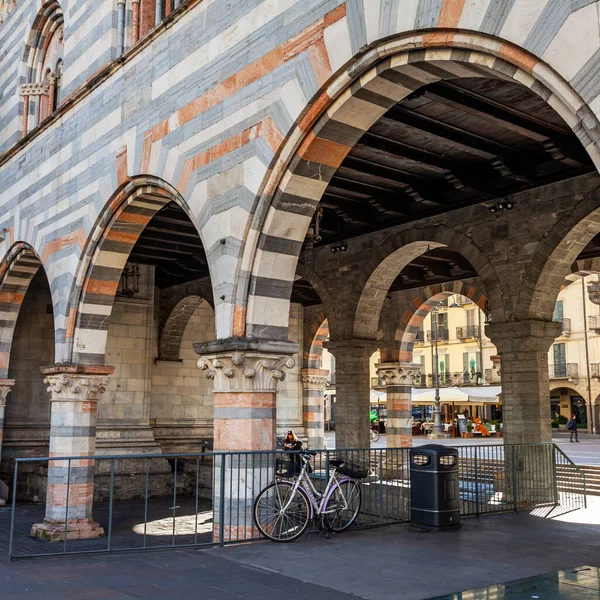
[172, 575]
[395, 562]
[401, 563]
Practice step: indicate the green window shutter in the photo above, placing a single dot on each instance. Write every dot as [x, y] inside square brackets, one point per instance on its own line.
[558, 315]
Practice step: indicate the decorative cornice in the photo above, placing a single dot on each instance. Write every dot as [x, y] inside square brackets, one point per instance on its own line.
[245, 371]
[76, 387]
[34, 89]
[398, 373]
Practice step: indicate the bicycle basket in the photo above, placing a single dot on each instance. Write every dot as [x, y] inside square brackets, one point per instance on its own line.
[352, 469]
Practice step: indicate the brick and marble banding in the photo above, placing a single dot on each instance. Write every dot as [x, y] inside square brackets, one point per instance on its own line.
[399, 379]
[16, 273]
[75, 392]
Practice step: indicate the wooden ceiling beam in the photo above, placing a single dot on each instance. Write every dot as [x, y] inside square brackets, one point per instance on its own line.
[455, 172]
[524, 124]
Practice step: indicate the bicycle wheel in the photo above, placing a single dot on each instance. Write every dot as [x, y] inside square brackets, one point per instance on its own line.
[374, 435]
[345, 499]
[276, 522]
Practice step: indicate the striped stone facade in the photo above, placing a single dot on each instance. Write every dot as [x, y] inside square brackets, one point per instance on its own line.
[240, 111]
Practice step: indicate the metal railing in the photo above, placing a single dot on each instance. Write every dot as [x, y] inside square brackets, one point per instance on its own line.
[594, 320]
[467, 331]
[207, 498]
[497, 478]
[442, 334]
[563, 371]
[566, 326]
[595, 369]
[448, 379]
[420, 337]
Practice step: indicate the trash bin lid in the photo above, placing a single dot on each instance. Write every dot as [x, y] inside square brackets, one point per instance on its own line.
[434, 449]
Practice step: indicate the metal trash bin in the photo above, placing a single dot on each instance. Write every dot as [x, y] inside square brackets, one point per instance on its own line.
[434, 491]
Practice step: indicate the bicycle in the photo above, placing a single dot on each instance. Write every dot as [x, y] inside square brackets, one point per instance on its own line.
[283, 509]
[374, 435]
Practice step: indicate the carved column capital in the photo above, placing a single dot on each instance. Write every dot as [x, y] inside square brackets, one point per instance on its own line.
[400, 373]
[246, 371]
[6, 386]
[76, 382]
[315, 379]
[75, 387]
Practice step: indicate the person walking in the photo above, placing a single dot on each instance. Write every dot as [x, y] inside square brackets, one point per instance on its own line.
[572, 427]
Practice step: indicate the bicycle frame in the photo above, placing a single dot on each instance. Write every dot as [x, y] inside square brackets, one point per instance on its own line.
[318, 501]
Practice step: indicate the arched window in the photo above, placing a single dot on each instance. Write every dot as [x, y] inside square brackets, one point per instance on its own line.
[43, 66]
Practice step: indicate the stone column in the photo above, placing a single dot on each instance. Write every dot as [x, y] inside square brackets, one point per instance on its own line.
[135, 21]
[523, 348]
[399, 379]
[529, 467]
[352, 390]
[74, 405]
[314, 383]
[5, 386]
[27, 90]
[245, 375]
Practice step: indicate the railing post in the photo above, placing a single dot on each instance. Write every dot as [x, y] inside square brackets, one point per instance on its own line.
[555, 475]
[12, 511]
[476, 483]
[380, 450]
[513, 468]
[222, 502]
[110, 503]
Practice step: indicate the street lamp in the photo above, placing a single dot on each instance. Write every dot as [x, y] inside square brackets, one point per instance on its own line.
[437, 431]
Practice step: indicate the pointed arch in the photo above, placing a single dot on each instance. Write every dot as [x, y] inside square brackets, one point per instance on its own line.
[17, 270]
[109, 246]
[343, 112]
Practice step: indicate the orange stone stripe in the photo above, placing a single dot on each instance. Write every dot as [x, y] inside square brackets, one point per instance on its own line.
[245, 399]
[518, 56]
[438, 38]
[128, 217]
[103, 288]
[306, 40]
[70, 328]
[75, 237]
[239, 320]
[324, 152]
[11, 297]
[121, 236]
[451, 13]
[267, 127]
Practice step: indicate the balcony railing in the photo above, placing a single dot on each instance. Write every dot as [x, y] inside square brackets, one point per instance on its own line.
[468, 331]
[595, 370]
[442, 335]
[594, 322]
[420, 337]
[492, 376]
[448, 379]
[566, 326]
[564, 371]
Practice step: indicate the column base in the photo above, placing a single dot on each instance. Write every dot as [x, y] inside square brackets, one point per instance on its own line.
[439, 436]
[77, 529]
